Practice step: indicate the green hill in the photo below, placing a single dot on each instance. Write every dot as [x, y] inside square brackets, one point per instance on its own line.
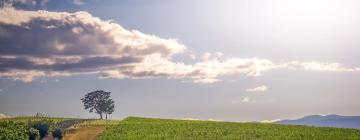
[146, 128]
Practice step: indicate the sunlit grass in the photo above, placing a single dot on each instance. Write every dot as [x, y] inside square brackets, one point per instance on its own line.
[26, 119]
[100, 122]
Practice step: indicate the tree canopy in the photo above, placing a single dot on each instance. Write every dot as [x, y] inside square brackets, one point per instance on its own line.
[99, 101]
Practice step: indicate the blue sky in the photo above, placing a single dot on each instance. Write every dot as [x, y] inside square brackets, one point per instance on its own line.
[225, 60]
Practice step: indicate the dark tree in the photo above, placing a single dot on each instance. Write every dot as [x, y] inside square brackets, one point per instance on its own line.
[110, 108]
[99, 102]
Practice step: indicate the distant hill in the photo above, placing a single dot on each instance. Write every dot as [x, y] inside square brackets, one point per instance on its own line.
[327, 121]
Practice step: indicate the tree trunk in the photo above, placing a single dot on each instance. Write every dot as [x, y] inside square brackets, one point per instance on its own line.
[106, 116]
[100, 115]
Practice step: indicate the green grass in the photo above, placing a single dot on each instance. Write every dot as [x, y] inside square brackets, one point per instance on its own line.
[96, 122]
[19, 128]
[10, 130]
[145, 128]
[26, 119]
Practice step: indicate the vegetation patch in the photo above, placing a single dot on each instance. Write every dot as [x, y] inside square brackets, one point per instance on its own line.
[145, 128]
[10, 130]
[24, 128]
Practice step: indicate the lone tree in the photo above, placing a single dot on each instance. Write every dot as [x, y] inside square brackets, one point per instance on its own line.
[99, 102]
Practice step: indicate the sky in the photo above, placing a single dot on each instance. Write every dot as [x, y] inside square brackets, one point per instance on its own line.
[231, 60]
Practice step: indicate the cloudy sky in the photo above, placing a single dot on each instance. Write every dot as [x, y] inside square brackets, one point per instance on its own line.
[246, 60]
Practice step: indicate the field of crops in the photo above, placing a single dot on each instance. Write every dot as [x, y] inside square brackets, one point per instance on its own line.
[19, 128]
[145, 128]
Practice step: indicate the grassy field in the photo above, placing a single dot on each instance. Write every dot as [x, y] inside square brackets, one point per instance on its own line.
[148, 128]
[26, 119]
[145, 128]
[96, 122]
[21, 128]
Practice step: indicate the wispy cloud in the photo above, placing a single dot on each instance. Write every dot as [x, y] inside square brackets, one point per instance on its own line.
[244, 100]
[66, 44]
[248, 100]
[318, 66]
[25, 4]
[262, 88]
[78, 2]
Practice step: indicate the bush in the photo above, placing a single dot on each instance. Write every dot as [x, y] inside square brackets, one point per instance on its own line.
[10, 130]
[57, 133]
[34, 128]
[33, 133]
[42, 126]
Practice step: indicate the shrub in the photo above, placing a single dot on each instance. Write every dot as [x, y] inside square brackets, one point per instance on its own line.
[10, 130]
[57, 133]
[33, 133]
[42, 126]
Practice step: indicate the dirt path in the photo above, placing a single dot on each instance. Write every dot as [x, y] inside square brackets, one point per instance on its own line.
[84, 133]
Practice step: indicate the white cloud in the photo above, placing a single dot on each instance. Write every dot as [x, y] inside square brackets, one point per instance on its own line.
[270, 121]
[244, 100]
[78, 43]
[318, 66]
[192, 56]
[262, 88]
[66, 44]
[1, 90]
[212, 56]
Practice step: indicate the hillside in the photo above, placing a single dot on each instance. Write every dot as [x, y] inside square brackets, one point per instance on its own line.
[47, 128]
[146, 128]
[151, 128]
[328, 121]
[30, 127]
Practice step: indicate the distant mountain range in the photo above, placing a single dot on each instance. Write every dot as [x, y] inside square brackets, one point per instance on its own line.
[326, 121]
